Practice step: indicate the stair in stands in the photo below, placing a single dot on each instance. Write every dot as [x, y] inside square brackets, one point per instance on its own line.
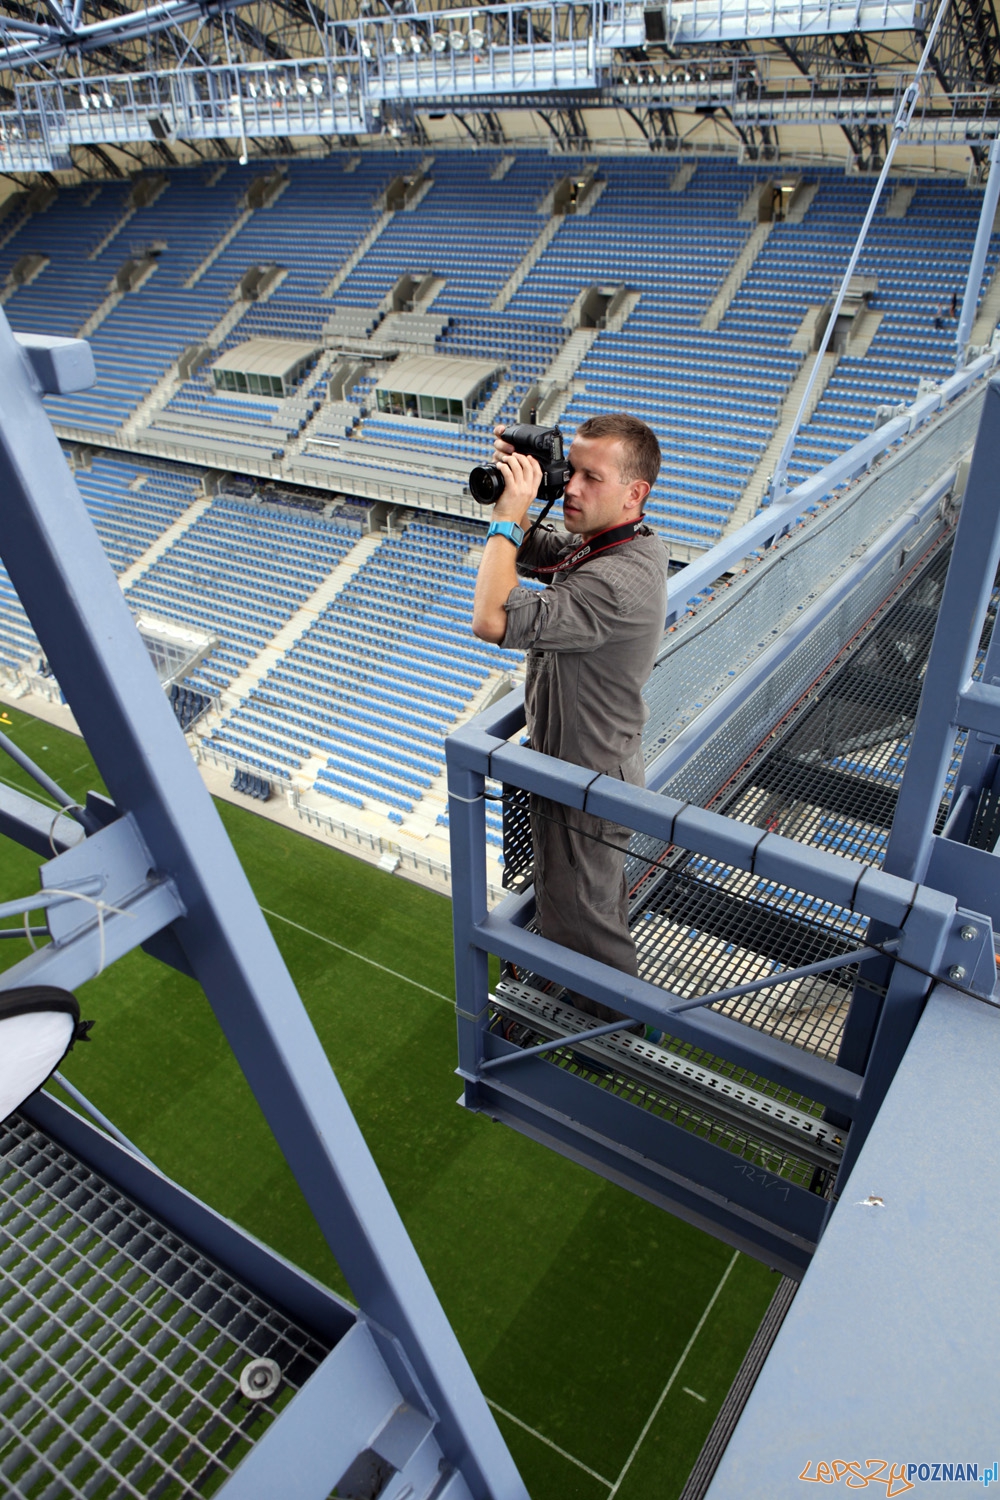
[899, 202]
[220, 245]
[496, 401]
[360, 250]
[131, 431]
[145, 191]
[557, 386]
[299, 622]
[746, 506]
[165, 541]
[719, 305]
[423, 819]
[520, 272]
[989, 312]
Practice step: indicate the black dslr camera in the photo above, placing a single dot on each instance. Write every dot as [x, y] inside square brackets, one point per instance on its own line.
[486, 483]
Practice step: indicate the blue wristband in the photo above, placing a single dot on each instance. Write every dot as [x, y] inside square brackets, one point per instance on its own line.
[509, 529]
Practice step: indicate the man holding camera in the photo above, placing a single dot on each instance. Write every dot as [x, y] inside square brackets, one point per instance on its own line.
[591, 639]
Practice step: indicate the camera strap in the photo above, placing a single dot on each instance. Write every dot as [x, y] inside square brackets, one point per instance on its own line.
[603, 541]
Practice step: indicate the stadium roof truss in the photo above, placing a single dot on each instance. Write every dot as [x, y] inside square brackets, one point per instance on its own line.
[216, 70]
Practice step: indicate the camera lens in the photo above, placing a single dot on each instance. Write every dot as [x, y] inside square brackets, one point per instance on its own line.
[486, 484]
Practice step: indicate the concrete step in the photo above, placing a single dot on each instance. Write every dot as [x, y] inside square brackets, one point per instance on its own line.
[683, 176]
[801, 202]
[300, 621]
[531, 255]
[163, 543]
[361, 249]
[899, 203]
[720, 303]
[746, 506]
[221, 243]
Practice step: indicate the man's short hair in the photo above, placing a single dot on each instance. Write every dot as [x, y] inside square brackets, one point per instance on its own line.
[640, 451]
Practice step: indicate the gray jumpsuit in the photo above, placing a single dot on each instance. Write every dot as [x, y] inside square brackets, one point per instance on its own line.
[591, 639]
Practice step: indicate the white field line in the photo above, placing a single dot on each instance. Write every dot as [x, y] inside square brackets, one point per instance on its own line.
[673, 1376]
[549, 1443]
[36, 792]
[354, 954]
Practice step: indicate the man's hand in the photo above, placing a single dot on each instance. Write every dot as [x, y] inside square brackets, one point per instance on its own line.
[497, 573]
[522, 476]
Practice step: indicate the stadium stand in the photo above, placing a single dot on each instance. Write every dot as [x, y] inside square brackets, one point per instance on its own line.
[240, 571]
[131, 506]
[372, 690]
[377, 681]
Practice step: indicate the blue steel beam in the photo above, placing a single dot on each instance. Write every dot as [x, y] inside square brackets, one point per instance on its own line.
[974, 562]
[53, 42]
[197, 889]
[890, 1353]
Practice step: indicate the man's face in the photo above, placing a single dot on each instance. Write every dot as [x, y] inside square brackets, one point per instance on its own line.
[595, 497]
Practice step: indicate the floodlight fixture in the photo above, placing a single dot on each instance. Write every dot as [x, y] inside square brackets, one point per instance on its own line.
[38, 1026]
[301, 87]
[457, 41]
[476, 37]
[252, 89]
[398, 45]
[341, 84]
[282, 87]
[316, 84]
[84, 100]
[439, 42]
[108, 100]
[416, 44]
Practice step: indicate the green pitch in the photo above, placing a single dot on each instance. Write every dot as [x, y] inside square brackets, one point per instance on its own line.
[604, 1333]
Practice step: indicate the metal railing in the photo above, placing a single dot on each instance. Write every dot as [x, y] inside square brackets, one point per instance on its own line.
[840, 563]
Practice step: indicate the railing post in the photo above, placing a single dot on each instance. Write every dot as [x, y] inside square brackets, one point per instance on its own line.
[467, 824]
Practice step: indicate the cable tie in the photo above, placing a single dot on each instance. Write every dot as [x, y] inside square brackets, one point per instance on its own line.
[673, 821]
[909, 909]
[101, 907]
[586, 791]
[753, 857]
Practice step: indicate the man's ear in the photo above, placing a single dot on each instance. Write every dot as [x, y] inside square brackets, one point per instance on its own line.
[638, 491]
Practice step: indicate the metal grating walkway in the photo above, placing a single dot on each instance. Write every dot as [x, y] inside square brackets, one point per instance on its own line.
[827, 775]
[121, 1347]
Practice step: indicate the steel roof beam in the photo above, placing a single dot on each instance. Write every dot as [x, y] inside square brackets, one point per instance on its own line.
[134, 25]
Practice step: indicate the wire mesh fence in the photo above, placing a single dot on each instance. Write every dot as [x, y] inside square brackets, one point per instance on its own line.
[718, 639]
